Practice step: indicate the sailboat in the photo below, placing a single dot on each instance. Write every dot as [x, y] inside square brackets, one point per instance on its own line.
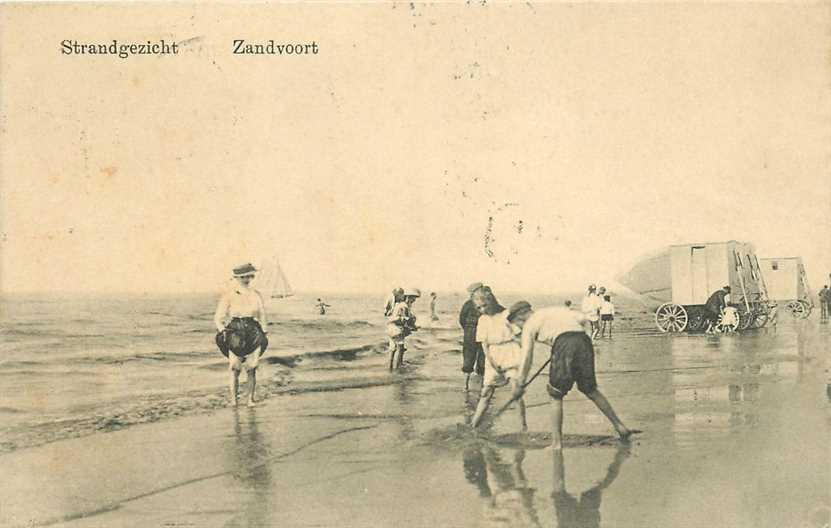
[272, 282]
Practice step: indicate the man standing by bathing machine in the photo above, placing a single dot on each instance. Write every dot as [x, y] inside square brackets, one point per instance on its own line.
[572, 360]
[714, 305]
[823, 303]
[473, 359]
[243, 339]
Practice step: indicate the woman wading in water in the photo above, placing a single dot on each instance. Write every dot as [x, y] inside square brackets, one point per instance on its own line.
[242, 339]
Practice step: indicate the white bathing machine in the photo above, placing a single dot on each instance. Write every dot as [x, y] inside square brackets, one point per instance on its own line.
[787, 283]
[680, 279]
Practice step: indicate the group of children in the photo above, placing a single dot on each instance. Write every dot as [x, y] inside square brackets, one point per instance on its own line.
[599, 310]
[504, 345]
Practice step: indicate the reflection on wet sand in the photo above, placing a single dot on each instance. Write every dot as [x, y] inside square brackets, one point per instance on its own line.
[584, 512]
[507, 498]
[402, 393]
[716, 401]
[249, 452]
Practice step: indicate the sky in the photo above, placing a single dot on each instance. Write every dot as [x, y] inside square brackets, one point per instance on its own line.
[535, 147]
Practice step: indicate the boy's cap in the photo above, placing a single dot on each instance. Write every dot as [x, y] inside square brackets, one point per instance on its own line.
[518, 308]
[473, 287]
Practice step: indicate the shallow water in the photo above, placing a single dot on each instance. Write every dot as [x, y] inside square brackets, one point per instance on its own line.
[71, 366]
[735, 433]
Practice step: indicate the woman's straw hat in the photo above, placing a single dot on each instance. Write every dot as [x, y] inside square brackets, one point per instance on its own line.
[244, 269]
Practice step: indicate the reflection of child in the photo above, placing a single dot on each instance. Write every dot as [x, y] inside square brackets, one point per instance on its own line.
[607, 315]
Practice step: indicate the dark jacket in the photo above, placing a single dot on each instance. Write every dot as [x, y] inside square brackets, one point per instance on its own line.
[716, 301]
[469, 316]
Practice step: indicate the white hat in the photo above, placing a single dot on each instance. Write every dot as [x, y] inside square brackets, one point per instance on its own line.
[412, 292]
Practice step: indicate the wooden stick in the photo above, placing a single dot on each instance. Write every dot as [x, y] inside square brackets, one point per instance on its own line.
[512, 400]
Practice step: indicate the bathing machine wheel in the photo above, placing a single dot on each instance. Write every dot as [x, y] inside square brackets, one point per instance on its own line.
[728, 320]
[671, 318]
[798, 309]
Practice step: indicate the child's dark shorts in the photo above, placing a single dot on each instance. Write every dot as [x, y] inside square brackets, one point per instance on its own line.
[607, 317]
[572, 361]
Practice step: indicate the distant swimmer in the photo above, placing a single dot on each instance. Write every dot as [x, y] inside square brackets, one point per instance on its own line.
[715, 304]
[572, 360]
[433, 300]
[242, 339]
[402, 323]
[473, 359]
[591, 308]
[321, 306]
[503, 355]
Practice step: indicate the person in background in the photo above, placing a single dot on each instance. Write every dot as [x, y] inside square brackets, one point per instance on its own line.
[572, 361]
[591, 308]
[396, 296]
[321, 306]
[473, 359]
[607, 315]
[503, 359]
[713, 307]
[242, 339]
[828, 304]
[823, 303]
[402, 322]
[568, 304]
[433, 299]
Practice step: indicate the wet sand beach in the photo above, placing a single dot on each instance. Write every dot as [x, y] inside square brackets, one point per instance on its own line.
[735, 433]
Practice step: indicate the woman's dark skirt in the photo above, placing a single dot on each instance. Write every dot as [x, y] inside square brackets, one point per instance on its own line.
[242, 336]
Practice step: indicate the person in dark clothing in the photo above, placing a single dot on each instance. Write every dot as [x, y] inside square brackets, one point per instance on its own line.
[473, 357]
[823, 303]
[715, 304]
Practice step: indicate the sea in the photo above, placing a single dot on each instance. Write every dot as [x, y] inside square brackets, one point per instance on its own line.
[72, 365]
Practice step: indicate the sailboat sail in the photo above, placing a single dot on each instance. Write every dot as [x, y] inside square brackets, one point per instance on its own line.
[281, 287]
[273, 282]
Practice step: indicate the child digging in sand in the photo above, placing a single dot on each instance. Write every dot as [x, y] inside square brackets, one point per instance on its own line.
[572, 360]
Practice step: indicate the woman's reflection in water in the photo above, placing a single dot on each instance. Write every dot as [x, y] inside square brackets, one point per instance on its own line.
[249, 453]
[585, 511]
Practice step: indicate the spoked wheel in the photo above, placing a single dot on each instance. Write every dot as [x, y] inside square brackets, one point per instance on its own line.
[745, 320]
[695, 322]
[797, 309]
[760, 320]
[728, 320]
[808, 308]
[671, 318]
